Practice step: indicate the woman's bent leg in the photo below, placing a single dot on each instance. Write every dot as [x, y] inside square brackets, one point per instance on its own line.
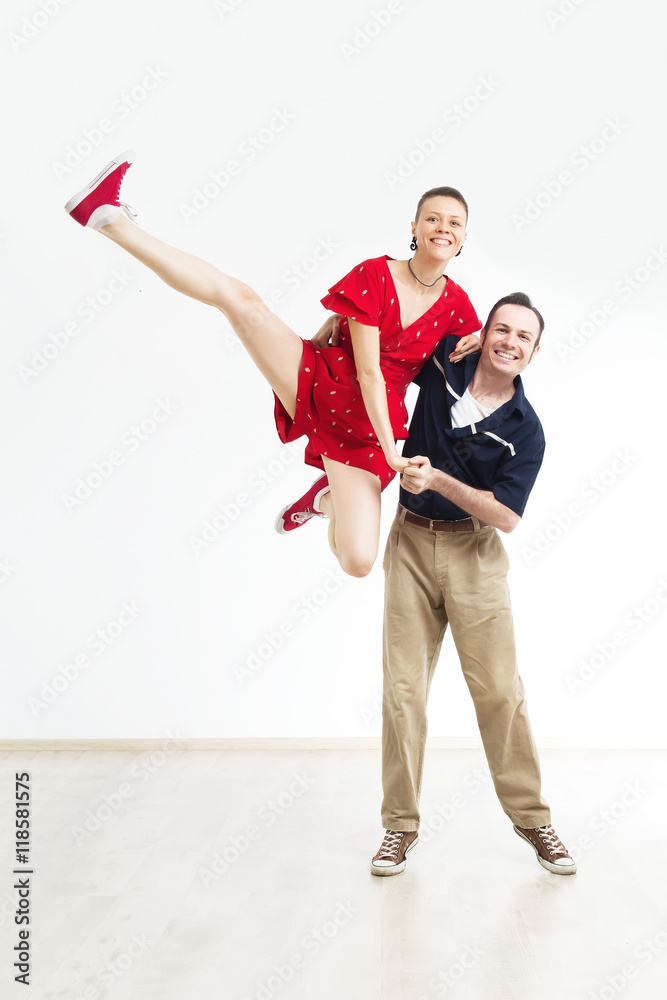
[275, 349]
[353, 506]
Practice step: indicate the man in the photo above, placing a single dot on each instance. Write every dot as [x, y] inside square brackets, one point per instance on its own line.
[476, 446]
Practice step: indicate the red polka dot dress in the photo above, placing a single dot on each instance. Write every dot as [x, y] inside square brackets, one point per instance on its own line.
[330, 409]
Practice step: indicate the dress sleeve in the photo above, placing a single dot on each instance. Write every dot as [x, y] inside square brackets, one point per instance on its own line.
[359, 295]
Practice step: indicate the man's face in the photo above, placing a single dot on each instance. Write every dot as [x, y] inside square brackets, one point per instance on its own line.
[508, 346]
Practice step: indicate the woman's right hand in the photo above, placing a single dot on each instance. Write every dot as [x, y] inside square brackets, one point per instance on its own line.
[328, 334]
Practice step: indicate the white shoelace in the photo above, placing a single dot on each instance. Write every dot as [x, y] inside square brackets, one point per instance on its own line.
[548, 836]
[302, 515]
[130, 212]
[391, 844]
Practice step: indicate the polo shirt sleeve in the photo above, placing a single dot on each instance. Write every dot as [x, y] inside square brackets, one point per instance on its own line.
[516, 476]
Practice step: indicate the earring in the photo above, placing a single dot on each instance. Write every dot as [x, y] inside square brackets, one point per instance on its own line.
[459, 253]
[413, 244]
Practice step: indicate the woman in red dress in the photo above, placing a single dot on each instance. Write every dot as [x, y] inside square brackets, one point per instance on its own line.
[349, 398]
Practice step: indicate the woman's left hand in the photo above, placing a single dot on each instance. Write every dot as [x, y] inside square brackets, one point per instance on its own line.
[397, 462]
[466, 345]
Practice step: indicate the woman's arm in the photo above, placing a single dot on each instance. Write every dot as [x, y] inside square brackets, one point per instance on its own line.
[466, 345]
[366, 349]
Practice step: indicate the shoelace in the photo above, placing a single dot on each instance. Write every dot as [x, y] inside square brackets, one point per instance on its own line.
[548, 836]
[302, 515]
[391, 844]
[130, 212]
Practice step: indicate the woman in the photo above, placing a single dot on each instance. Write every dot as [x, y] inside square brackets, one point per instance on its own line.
[348, 399]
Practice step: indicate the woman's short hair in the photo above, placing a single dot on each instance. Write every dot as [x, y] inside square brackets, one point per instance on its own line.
[442, 192]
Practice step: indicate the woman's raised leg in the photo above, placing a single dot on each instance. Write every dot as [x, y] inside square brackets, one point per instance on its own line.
[353, 509]
[275, 349]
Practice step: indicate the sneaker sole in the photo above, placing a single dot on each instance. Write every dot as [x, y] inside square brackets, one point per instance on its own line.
[396, 869]
[127, 157]
[550, 867]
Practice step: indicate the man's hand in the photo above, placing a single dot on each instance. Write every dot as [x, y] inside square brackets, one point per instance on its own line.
[418, 475]
[328, 334]
[466, 345]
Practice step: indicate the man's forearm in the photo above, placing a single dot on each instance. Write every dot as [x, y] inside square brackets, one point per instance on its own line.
[479, 503]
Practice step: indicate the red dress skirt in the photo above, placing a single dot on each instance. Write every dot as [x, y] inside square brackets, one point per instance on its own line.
[330, 409]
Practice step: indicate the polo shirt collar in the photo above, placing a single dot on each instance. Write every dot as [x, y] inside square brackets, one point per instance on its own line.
[518, 400]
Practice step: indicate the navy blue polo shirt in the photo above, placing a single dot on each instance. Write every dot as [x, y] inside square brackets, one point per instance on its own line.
[501, 453]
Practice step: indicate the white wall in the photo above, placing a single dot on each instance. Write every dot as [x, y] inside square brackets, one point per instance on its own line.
[357, 98]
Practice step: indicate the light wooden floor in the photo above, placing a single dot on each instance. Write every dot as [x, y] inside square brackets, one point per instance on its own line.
[137, 910]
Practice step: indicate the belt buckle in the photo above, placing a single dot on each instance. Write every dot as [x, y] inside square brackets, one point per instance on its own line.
[430, 523]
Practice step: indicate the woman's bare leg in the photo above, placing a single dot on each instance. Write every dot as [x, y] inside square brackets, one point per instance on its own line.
[353, 509]
[275, 349]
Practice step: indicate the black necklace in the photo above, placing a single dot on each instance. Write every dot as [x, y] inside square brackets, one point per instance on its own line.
[419, 279]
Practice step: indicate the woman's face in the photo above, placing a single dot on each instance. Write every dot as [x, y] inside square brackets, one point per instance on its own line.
[440, 228]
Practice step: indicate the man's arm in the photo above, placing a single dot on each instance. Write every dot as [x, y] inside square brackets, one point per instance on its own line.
[420, 475]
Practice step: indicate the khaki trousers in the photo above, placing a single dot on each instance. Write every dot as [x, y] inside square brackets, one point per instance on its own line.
[432, 579]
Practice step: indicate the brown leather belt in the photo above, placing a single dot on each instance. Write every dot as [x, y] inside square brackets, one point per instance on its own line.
[465, 524]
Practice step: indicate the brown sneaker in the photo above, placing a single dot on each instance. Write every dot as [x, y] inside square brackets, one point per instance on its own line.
[390, 859]
[551, 852]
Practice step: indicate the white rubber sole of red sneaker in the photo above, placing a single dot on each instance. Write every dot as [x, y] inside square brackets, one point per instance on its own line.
[279, 523]
[395, 869]
[126, 157]
[556, 869]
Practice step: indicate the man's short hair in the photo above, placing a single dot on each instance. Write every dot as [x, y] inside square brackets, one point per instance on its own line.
[516, 299]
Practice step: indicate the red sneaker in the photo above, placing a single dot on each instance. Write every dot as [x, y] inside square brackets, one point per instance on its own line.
[98, 203]
[297, 513]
